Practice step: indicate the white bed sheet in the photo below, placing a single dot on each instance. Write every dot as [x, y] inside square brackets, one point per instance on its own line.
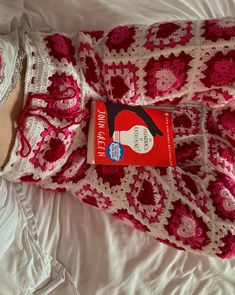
[70, 246]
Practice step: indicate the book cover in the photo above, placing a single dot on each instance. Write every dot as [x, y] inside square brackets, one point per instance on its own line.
[130, 135]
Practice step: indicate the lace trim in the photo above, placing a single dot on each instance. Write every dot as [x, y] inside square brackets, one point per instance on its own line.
[23, 30]
[19, 61]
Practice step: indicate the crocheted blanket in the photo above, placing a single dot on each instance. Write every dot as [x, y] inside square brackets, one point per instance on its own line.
[187, 64]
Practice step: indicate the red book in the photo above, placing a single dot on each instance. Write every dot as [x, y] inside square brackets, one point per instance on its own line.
[130, 135]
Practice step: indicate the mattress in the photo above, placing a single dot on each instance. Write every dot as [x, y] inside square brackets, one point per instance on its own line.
[53, 244]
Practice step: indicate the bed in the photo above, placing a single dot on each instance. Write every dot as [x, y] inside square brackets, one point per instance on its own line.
[53, 244]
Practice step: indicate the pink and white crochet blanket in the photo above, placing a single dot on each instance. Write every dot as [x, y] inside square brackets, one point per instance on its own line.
[187, 64]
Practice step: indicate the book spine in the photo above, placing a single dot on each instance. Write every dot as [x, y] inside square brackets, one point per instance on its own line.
[91, 137]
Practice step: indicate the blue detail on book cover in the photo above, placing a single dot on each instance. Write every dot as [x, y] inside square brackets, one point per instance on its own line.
[115, 151]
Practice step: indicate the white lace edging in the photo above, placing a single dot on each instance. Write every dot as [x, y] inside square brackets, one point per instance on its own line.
[22, 30]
